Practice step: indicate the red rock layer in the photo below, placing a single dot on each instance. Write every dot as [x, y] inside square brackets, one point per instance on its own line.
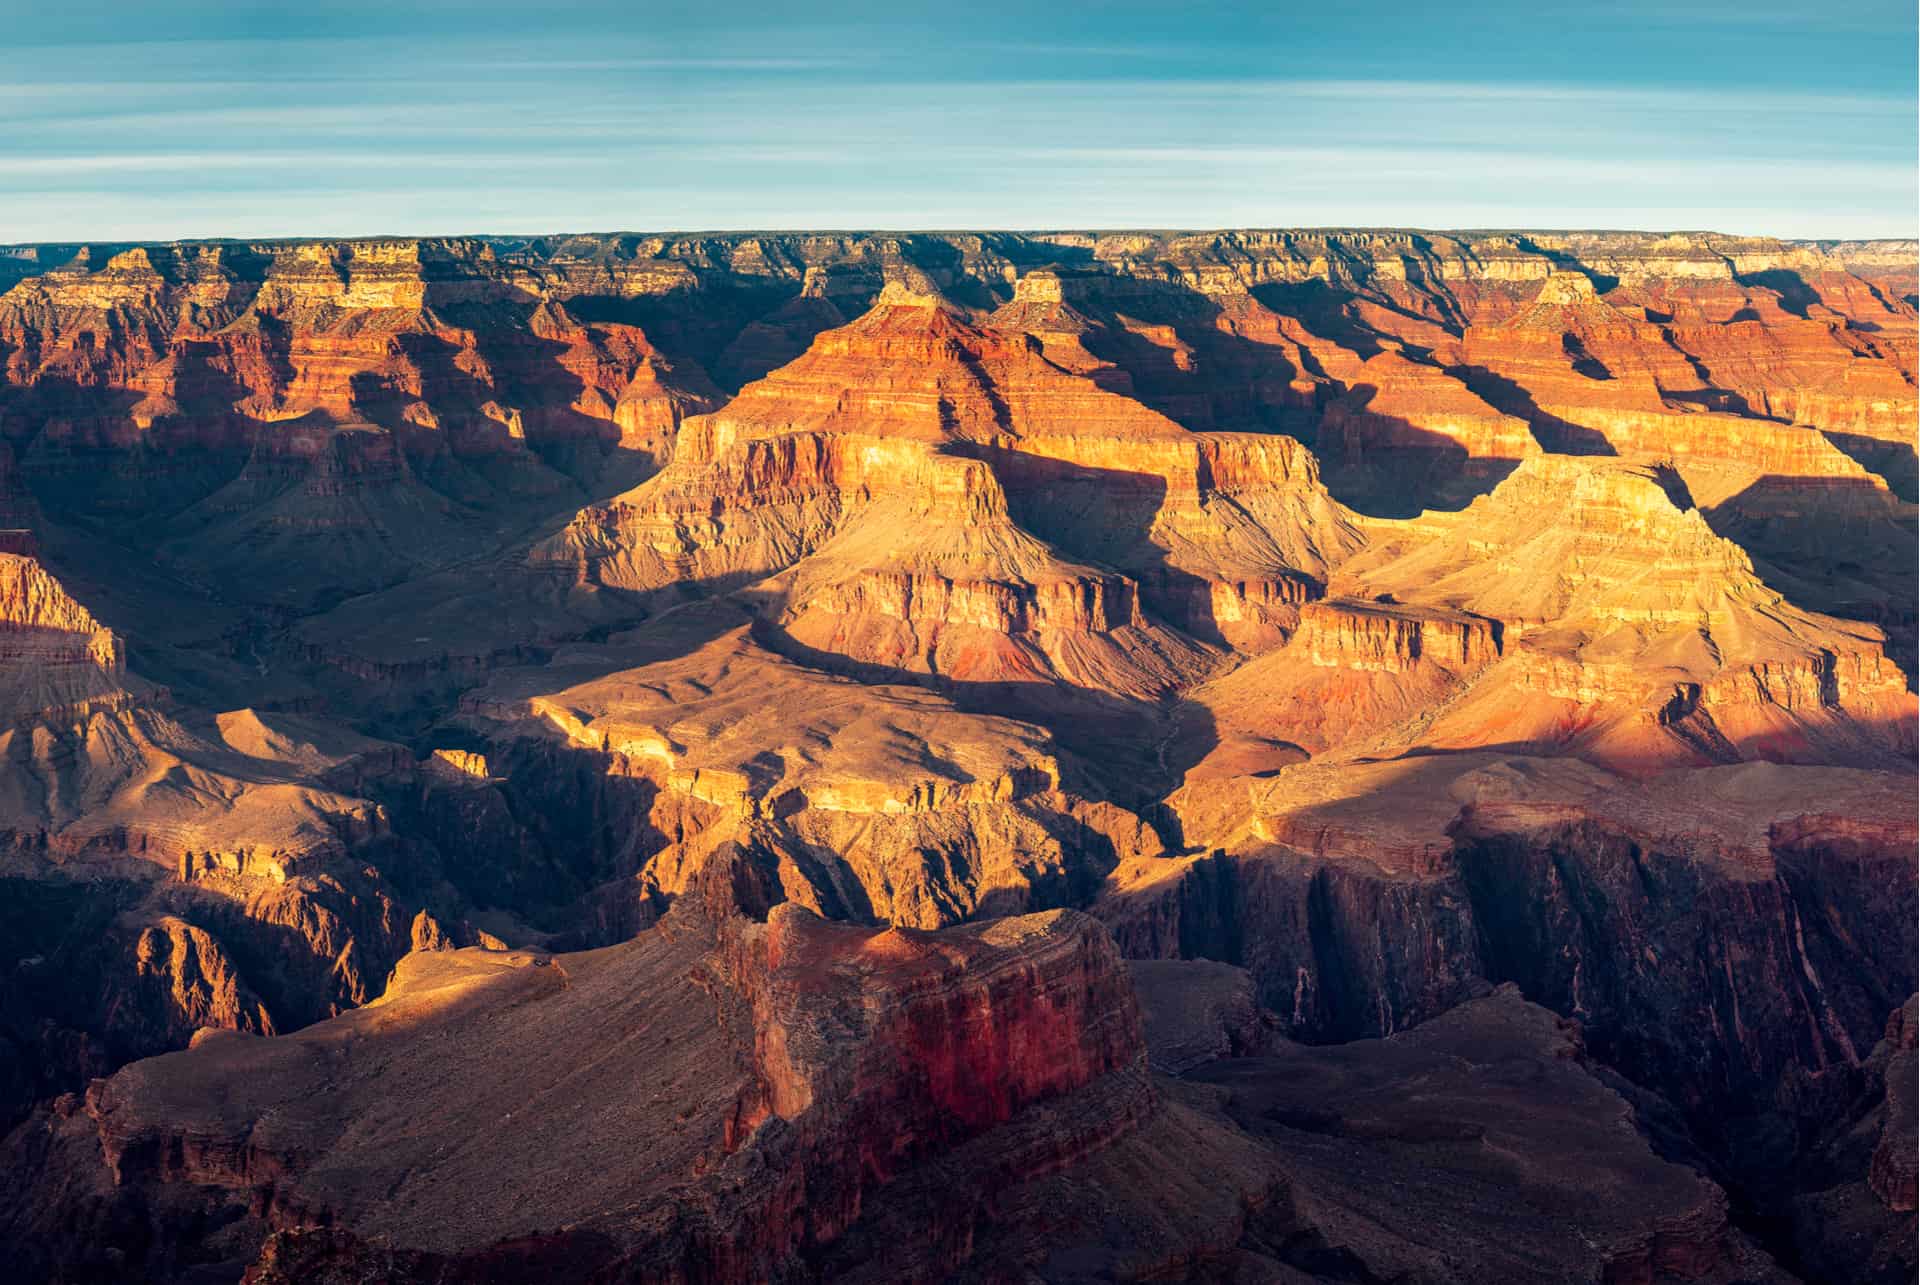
[871, 419]
[788, 1120]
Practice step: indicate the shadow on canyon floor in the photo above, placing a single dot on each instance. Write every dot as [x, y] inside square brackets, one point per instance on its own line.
[1839, 546]
[1896, 462]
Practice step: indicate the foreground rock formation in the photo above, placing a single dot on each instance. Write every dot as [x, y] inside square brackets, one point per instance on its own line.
[1461, 675]
[755, 1084]
[779, 1140]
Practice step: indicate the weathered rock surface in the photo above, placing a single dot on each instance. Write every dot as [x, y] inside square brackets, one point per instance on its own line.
[1508, 1159]
[767, 1122]
[1198, 1011]
[872, 802]
[1353, 622]
[831, 1086]
[57, 663]
[1852, 1200]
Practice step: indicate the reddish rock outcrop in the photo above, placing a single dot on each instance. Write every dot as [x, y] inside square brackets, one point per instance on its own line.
[1352, 620]
[786, 1120]
[1632, 630]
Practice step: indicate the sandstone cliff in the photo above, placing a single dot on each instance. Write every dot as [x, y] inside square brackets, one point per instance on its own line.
[784, 1123]
[1387, 616]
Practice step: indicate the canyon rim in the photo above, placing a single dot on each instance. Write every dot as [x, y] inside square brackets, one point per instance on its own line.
[1142, 751]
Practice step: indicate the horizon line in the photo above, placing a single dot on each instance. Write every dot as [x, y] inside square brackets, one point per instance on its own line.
[82, 242]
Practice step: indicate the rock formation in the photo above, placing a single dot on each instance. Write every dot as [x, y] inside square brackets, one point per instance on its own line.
[58, 663]
[467, 679]
[783, 1117]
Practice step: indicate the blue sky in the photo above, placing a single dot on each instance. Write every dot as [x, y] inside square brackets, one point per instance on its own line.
[217, 118]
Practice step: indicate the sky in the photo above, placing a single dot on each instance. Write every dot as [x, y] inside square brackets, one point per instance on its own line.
[202, 118]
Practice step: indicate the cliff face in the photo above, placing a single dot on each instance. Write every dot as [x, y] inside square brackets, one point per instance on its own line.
[1630, 626]
[515, 374]
[277, 407]
[1496, 1075]
[1804, 1001]
[56, 661]
[835, 1087]
[1853, 1211]
[192, 871]
[787, 1121]
[868, 802]
[1374, 619]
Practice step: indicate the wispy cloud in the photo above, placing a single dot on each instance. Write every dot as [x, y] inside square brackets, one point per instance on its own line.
[1004, 115]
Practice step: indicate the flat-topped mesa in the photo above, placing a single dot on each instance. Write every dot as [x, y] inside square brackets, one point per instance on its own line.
[1567, 289]
[1039, 287]
[903, 293]
[1043, 308]
[1040, 308]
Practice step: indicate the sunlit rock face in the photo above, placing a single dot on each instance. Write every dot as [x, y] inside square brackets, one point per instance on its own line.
[57, 660]
[672, 757]
[797, 1119]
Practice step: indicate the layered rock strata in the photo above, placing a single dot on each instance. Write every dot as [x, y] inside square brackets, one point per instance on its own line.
[784, 1122]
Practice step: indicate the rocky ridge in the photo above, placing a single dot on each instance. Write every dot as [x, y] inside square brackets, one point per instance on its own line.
[1392, 616]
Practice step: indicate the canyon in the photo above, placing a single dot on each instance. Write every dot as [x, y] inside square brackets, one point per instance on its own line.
[1243, 756]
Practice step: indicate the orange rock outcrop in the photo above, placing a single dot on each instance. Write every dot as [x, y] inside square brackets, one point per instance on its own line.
[403, 640]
